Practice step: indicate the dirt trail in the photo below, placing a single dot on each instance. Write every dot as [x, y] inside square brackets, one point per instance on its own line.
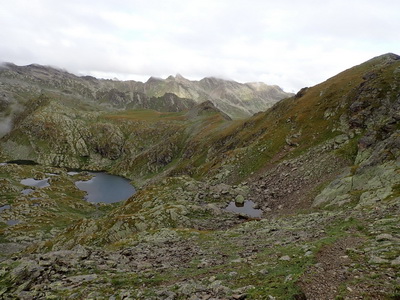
[324, 279]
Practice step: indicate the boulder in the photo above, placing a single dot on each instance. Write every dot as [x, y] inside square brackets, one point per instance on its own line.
[239, 199]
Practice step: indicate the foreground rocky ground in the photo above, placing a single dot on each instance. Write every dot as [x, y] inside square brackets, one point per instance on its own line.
[347, 253]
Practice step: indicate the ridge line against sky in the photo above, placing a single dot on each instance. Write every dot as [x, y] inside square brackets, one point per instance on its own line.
[284, 43]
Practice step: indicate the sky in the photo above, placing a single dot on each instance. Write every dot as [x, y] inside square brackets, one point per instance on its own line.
[289, 43]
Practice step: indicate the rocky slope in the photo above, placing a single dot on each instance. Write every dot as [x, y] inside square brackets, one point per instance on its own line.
[322, 165]
[138, 144]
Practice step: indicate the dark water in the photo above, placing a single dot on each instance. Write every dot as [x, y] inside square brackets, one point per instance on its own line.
[247, 208]
[23, 162]
[106, 188]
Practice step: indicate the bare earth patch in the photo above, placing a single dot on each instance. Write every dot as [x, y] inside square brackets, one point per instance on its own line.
[322, 280]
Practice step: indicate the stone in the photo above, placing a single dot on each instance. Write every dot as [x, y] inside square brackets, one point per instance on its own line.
[166, 294]
[80, 251]
[141, 266]
[288, 278]
[396, 261]
[26, 295]
[215, 284]
[308, 253]
[384, 237]
[27, 269]
[341, 139]
[285, 258]
[140, 226]
[215, 210]
[378, 260]
[188, 289]
[239, 199]
[78, 279]
[239, 296]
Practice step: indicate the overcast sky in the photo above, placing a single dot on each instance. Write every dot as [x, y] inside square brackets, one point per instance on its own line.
[285, 42]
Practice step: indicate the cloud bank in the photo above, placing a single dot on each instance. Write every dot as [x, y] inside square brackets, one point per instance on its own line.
[288, 43]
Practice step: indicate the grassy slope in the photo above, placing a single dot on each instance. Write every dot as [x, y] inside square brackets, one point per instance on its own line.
[306, 121]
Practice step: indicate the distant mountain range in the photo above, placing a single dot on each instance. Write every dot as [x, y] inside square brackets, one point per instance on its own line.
[175, 93]
[322, 166]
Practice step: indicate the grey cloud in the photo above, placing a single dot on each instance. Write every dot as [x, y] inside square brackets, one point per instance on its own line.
[295, 44]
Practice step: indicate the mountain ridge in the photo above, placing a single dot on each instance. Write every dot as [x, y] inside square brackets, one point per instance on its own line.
[236, 99]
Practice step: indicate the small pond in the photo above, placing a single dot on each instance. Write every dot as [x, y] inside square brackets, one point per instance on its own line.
[23, 162]
[12, 222]
[246, 208]
[26, 191]
[4, 207]
[35, 182]
[106, 188]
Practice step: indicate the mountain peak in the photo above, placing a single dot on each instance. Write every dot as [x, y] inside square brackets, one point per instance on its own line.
[384, 59]
[154, 79]
[389, 55]
[178, 77]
